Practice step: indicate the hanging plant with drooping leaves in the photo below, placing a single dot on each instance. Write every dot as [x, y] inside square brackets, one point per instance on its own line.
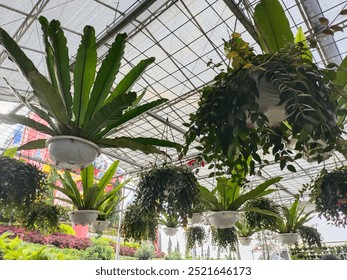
[195, 235]
[234, 121]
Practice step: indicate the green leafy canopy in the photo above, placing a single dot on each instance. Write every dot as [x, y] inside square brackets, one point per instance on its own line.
[93, 107]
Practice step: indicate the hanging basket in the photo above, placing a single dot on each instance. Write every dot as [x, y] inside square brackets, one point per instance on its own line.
[196, 218]
[287, 238]
[70, 152]
[99, 225]
[83, 217]
[169, 231]
[245, 241]
[222, 219]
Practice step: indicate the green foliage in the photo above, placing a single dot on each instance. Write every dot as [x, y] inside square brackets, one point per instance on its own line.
[230, 194]
[292, 218]
[310, 236]
[20, 183]
[94, 194]
[232, 127]
[99, 250]
[173, 256]
[66, 229]
[145, 252]
[328, 192]
[224, 238]
[244, 229]
[170, 220]
[257, 220]
[194, 235]
[93, 107]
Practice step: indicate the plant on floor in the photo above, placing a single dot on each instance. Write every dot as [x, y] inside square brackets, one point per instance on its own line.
[261, 103]
[195, 235]
[94, 193]
[145, 252]
[99, 250]
[93, 108]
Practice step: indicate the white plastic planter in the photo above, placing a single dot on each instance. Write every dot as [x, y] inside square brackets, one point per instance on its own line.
[268, 100]
[100, 225]
[195, 219]
[169, 231]
[287, 238]
[83, 217]
[245, 241]
[70, 152]
[222, 219]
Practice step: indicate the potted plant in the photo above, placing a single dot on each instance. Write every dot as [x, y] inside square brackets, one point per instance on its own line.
[168, 189]
[234, 119]
[244, 232]
[94, 195]
[106, 210]
[261, 220]
[171, 222]
[329, 193]
[290, 221]
[226, 199]
[310, 236]
[82, 118]
[195, 234]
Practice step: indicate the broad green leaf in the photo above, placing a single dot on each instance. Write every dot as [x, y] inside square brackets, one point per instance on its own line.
[259, 191]
[301, 38]
[58, 60]
[145, 145]
[71, 185]
[341, 78]
[131, 78]
[106, 75]
[89, 198]
[107, 114]
[19, 119]
[106, 178]
[272, 26]
[209, 199]
[87, 175]
[84, 73]
[35, 144]
[129, 115]
[10, 152]
[103, 196]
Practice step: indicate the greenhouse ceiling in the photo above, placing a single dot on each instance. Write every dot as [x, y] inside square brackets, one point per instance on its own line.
[183, 36]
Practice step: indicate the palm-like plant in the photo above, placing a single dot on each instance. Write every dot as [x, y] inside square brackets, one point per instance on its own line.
[93, 108]
[94, 194]
[292, 218]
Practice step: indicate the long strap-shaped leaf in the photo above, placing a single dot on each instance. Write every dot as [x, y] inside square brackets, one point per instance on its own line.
[130, 79]
[35, 144]
[106, 178]
[71, 185]
[57, 59]
[106, 75]
[257, 192]
[102, 197]
[84, 73]
[107, 114]
[129, 115]
[87, 175]
[43, 90]
[272, 26]
[15, 119]
[143, 144]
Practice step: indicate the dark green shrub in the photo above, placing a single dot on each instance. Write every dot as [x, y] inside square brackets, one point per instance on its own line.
[99, 250]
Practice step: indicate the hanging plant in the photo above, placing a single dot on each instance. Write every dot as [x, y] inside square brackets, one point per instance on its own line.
[310, 236]
[264, 102]
[224, 238]
[260, 220]
[195, 235]
[168, 189]
[20, 183]
[329, 193]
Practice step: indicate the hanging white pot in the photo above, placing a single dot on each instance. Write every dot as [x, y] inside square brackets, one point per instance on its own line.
[70, 152]
[195, 219]
[169, 231]
[269, 99]
[222, 219]
[287, 238]
[99, 225]
[83, 217]
[245, 241]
